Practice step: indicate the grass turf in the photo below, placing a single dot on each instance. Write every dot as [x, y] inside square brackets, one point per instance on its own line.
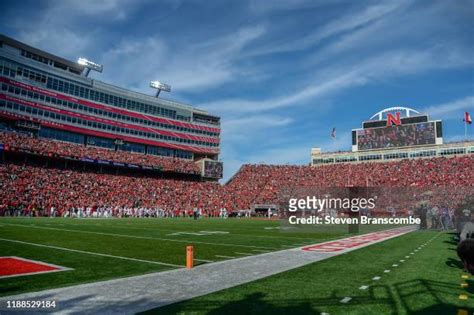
[428, 282]
[152, 240]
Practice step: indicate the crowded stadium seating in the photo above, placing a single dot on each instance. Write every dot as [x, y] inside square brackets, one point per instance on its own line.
[262, 183]
[23, 141]
[37, 189]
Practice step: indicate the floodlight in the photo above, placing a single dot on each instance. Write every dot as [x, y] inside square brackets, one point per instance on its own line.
[160, 87]
[90, 66]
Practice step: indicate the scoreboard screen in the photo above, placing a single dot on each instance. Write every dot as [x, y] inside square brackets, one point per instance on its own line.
[213, 169]
[396, 136]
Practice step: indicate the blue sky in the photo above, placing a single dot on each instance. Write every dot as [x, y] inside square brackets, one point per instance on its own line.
[281, 74]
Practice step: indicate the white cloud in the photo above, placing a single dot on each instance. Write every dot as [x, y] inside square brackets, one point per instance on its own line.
[64, 27]
[338, 77]
[109, 9]
[451, 110]
[246, 128]
[344, 24]
[133, 63]
[190, 67]
[54, 40]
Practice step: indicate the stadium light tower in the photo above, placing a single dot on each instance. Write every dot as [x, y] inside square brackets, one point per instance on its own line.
[160, 87]
[90, 66]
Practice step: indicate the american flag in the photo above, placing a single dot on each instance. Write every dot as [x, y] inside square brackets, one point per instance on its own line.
[333, 133]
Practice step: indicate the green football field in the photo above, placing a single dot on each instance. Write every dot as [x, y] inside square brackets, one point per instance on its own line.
[427, 283]
[101, 249]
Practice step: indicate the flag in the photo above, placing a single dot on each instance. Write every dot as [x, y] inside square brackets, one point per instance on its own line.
[467, 118]
[333, 133]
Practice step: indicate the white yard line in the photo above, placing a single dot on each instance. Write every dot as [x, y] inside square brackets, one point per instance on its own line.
[91, 253]
[246, 254]
[140, 237]
[203, 260]
[222, 256]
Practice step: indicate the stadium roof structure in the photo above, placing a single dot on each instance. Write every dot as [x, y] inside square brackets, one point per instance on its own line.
[14, 43]
[407, 110]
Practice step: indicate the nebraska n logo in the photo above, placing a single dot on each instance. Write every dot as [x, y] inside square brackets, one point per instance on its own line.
[391, 120]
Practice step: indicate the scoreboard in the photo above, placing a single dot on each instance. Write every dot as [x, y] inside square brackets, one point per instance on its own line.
[213, 169]
[391, 130]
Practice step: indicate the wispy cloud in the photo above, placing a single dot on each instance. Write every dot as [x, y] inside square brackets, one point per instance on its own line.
[349, 22]
[338, 78]
[187, 68]
[451, 110]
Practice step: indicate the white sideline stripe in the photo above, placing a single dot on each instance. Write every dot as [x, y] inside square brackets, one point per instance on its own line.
[376, 278]
[139, 237]
[32, 273]
[91, 253]
[260, 250]
[394, 265]
[246, 254]
[346, 299]
[363, 287]
[204, 260]
[222, 256]
[386, 270]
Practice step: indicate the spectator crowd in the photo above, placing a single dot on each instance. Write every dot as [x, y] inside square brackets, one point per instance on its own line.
[42, 146]
[47, 191]
[31, 190]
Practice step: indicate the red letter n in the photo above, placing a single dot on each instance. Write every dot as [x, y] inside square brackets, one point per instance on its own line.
[393, 120]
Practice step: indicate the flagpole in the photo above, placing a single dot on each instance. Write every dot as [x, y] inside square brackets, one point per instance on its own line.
[465, 129]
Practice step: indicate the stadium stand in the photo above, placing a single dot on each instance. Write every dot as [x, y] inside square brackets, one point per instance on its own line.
[264, 182]
[35, 191]
[28, 189]
[42, 146]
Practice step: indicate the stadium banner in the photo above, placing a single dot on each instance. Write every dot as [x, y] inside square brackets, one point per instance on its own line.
[331, 210]
[87, 160]
[118, 164]
[103, 162]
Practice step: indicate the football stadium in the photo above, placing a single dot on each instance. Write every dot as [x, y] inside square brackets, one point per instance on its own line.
[114, 201]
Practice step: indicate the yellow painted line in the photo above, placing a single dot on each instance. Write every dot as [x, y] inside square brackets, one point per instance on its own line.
[465, 277]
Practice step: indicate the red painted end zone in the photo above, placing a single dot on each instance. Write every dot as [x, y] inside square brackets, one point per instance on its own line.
[346, 243]
[16, 266]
